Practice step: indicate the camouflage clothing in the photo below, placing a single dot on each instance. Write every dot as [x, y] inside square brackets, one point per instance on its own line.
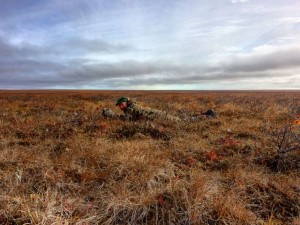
[135, 112]
[108, 113]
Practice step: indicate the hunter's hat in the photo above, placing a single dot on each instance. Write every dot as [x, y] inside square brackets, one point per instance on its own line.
[122, 99]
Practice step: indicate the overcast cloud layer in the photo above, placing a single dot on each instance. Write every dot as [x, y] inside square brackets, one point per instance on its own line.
[139, 44]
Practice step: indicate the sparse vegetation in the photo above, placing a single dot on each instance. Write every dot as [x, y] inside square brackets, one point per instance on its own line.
[62, 162]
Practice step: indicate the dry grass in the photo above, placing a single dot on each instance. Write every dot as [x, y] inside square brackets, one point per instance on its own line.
[61, 162]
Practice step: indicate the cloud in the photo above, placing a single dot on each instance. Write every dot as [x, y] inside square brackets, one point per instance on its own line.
[7, 50]
[112, 44]
[95, 46]
[239, 1]
[65, 47]
[20, 67]
[277, 58]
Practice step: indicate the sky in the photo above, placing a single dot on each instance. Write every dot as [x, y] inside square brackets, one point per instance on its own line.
[150, 45]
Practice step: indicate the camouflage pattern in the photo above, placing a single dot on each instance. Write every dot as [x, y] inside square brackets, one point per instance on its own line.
[136, 112]
[108, 113]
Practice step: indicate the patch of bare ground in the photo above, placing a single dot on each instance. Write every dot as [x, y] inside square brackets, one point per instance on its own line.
[62, 162]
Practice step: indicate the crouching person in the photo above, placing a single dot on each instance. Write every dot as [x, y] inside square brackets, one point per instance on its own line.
[133, 111]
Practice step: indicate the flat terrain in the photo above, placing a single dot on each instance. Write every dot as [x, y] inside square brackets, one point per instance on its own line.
[62, 162]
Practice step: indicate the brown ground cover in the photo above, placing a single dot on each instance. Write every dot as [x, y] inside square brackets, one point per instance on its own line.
[62, 162]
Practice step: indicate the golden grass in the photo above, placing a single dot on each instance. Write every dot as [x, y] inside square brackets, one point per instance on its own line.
[62, 162]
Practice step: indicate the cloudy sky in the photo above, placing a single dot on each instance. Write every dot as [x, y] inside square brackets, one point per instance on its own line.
[142, 44]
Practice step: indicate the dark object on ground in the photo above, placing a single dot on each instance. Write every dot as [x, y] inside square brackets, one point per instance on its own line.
[210, 113]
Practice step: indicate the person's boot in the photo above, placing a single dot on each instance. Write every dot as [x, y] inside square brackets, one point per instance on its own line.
[210, 113]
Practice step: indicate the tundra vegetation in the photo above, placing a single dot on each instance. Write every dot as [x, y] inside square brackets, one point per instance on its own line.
[62, 162]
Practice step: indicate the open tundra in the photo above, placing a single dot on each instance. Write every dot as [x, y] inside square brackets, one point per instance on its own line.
[62, 162]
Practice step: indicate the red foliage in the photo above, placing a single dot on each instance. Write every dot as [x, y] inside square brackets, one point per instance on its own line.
[297, 122]
[213, 156]
[190, 161]
[229, 142]
[187, 163]
[103, 126]
[160, 200]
